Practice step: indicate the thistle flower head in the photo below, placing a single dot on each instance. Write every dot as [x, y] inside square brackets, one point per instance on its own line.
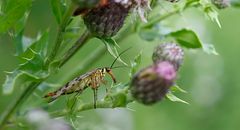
[151, 84]
[169, 52]
[221, 4]
[108, 17]
[166, 71]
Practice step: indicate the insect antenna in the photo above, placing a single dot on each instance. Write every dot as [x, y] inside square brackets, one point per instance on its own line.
[116, 67]
[118, 57]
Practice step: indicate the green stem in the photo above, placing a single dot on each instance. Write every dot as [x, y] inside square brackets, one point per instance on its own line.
[100, 104]
[61, 31]
[82, 40]
[158, 19]
[11, 108]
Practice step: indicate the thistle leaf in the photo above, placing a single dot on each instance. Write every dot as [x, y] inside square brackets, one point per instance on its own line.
[111, 47]
[186, 38]
[174, 98]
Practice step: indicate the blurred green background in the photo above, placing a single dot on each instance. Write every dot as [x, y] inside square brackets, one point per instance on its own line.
[212, 82]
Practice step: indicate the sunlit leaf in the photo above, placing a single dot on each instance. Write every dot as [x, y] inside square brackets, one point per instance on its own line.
[186, 38]
[174, 98]
[17, 78]
[177, 88]
[213, 15]
[210, 11]
[12, 13]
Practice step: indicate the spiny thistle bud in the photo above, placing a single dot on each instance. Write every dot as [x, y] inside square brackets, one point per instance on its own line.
[221, 4]
[151, 84]
[169, 52]
[107, 18]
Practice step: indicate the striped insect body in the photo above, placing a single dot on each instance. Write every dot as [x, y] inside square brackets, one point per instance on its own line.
[92, 79]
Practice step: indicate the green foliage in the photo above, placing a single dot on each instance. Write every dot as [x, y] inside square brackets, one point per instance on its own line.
[173, 98]
[235, 3]
[32, 67]
[210, 11]
[13, 13]
[186, 38]
[58, 9]
[37, 64]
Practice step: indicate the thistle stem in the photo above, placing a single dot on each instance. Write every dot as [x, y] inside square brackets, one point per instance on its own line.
[82, 40]
[100, 104]
[11, 108]
[61, 30]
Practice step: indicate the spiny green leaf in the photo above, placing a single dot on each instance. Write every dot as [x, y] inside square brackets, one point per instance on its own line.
[31, 70]
[135, 64]
[177, 88]
[209, 10]
[186, 38]
[12, 12]
[174, 98]
[40, 46]
[58, 9]
[213, 15]
[17, 78]
[111, 47]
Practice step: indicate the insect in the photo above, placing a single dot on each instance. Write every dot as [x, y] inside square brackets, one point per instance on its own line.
[91, 79]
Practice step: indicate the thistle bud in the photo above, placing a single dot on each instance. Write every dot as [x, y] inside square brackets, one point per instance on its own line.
[151, 84]
[221, 4]
[169, 52]
[106, 19]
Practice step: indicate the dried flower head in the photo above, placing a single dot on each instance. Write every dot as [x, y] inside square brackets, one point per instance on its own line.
[108, 16]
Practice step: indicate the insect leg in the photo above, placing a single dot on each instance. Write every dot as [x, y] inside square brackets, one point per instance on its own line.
[75, 96]
[75, 99]
[95, 98]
